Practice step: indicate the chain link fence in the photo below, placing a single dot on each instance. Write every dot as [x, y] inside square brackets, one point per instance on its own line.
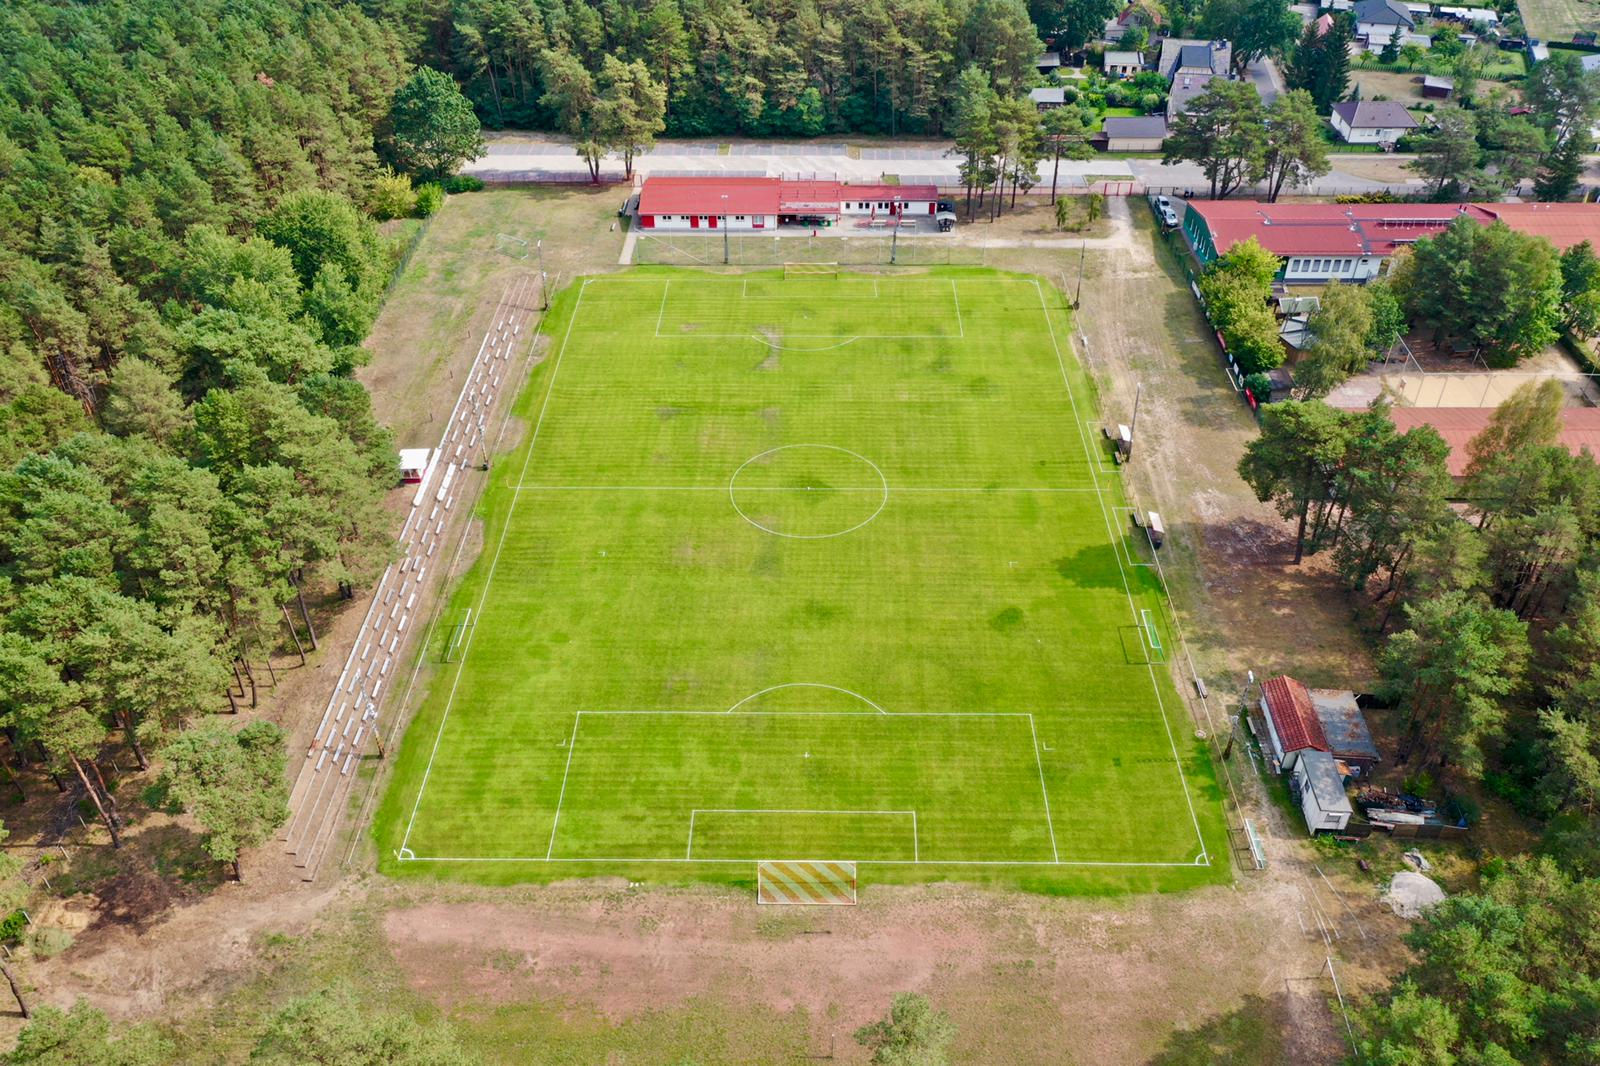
[718, 250]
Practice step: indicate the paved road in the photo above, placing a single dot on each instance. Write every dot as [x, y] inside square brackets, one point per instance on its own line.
[530, 157]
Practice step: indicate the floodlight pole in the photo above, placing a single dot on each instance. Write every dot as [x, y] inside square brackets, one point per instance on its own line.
[1133, 426]
[544, 279]
[725, 259]
[894, 244]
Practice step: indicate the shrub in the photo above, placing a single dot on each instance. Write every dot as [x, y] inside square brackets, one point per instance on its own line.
[429, 199]
[47, 941]
[391, 197]
[1260, 385]
[459, 183]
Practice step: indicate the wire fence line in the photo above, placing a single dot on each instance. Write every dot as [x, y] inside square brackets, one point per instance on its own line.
[742, 251]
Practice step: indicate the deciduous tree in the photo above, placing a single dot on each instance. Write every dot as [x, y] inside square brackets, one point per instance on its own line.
[435, 129]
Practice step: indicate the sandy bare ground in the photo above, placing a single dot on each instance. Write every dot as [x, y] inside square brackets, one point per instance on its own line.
[1026, 979]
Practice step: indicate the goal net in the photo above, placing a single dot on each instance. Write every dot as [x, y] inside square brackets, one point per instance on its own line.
[509, 245]
[806, 882]
[810, 270]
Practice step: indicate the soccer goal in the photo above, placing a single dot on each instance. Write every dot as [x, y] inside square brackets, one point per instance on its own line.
[806, 882]
[810, 270]
[458, 637]
[510, 245]
[1152, 639]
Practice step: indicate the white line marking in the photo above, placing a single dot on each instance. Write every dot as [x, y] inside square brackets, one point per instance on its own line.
[805, 684]
[1039, 761]
[1177, 761]
[660, 315]
[978, 489]
[733, 498]
[959, 324]
[610, 860]
[488, 583]
[555, 823]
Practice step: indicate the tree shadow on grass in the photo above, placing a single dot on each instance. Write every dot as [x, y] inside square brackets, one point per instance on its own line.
[1250, 1035]
[1095, 566]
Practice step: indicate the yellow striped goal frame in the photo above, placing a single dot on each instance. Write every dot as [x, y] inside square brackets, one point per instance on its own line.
[806, 882]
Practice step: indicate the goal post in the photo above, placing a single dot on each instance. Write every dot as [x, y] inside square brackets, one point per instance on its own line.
[810, 270]
[1152, 639]
[806, 882]
[509, 244]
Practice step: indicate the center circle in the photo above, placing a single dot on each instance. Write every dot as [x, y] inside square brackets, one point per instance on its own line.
[808, 491]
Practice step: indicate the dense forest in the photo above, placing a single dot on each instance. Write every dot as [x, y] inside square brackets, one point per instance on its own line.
[185, 280]
[753, 67]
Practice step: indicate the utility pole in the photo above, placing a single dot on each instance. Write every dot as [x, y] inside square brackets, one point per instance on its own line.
[544, 279]
[1133, 426]
[1082, 247]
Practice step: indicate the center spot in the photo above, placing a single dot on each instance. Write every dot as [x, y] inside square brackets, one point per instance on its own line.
[808, 491]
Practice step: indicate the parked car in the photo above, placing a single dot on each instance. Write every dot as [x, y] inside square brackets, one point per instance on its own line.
[1170, 217]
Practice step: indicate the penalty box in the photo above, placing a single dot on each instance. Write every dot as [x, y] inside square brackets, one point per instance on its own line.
[750, 785]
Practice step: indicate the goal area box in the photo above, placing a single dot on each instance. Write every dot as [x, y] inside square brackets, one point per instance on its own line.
[806, 882]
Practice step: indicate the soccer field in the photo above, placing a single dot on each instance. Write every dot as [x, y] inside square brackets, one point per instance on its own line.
[816, 568]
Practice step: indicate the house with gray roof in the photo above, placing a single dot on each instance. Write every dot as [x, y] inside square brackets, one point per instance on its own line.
[1378, 21]
[1371, 121]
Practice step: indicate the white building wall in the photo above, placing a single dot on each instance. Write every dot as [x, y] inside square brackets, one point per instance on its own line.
[732, 222]
[882, 207]
[1366, 135]
[1315, 269]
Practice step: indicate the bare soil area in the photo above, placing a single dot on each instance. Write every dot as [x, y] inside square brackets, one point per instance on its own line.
[1026, 979]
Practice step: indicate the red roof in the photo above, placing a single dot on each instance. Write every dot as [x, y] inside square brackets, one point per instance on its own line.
[1327, 229]
[1580, 428]
[1562, 224]
[764, 196]
[1293, 715]
[709, 196]
[900, 193]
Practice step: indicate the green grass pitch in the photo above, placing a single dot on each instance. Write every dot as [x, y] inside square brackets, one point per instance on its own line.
[816, 568]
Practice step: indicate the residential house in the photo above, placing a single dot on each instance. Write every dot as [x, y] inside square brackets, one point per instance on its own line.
[1123, 64]
[1371, 122]
[1142, 134]
[1189, 65]
[1378, 21]
[1184, 88]
[1047, 99]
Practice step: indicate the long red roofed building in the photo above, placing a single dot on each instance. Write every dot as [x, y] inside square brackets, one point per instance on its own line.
[1351, 242]
[766, 203]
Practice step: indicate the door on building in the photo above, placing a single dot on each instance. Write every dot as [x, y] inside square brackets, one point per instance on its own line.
[694, 221]
[713, 221]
